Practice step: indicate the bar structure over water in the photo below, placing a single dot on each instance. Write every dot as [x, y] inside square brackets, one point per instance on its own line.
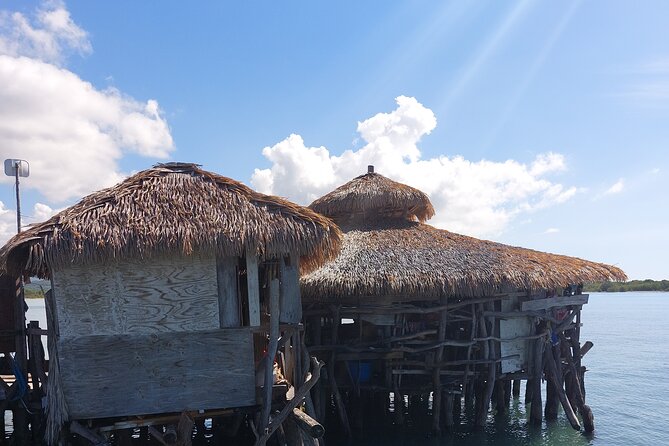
[419, 322]
[171, 295]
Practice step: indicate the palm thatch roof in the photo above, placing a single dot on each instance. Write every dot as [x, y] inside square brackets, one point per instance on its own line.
[407, 259]
[374, 195]
[174, 207]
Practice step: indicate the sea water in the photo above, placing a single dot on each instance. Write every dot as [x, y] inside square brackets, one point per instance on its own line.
[627, 383]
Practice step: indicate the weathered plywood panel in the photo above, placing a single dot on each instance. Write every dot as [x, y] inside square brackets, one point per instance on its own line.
[253, 287]
[290, 303]
[134, 374]
[551, 302]
[228, 295]
[513, 328]
[138, 296]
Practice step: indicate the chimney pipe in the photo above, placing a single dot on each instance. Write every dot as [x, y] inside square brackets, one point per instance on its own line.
[370, 169]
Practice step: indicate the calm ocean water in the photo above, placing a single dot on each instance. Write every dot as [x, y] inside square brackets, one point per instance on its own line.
[627, 383]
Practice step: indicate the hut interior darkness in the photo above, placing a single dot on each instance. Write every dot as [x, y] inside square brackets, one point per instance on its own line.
[169, 292]
[413, 320]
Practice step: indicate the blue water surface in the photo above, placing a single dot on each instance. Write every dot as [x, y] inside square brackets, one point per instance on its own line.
[627, 383]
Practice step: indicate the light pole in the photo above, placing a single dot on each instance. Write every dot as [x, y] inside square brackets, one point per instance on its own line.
[17, 168]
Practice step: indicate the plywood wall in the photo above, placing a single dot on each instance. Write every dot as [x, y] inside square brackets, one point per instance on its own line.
[131, 296]
[135, 374]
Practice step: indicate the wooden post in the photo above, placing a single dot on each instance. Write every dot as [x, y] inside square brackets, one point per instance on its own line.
[449, 412]
[537, 368]
[253, 288]
[555, 382]
[436, 372]
[271, 353]
[489, 353]
[516, 389]
[339, 403]
[584, 410]
[307, 424]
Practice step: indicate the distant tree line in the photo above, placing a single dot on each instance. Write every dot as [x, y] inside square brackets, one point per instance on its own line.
[632, 285]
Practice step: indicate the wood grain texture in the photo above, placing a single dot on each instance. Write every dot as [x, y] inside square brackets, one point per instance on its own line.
[560, 301]
[253, 288]
[291, 304]
[134, 296]
[228, 295]
[135, 374]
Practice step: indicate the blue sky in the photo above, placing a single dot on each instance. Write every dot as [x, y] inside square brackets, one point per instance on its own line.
[540, 124]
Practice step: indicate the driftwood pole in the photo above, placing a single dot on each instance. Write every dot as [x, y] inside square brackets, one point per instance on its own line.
[489, 354]
[271, 353]
[339, 403]
[292, 404]
[437, 396]
[555, 382]
[535, 383]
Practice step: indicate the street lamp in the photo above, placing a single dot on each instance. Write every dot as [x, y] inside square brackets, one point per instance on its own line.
[17, 168]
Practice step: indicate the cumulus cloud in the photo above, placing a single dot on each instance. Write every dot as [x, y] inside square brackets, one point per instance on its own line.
[49, 37]
[616, 188]
[72, 133]
[40, 212]
[551, 231]
[473, 197]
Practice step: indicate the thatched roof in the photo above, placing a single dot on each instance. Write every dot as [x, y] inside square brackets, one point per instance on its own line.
[174, 207]
[403, 258]
[374, 195]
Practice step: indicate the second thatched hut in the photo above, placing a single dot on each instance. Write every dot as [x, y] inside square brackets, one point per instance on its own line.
[410, 310]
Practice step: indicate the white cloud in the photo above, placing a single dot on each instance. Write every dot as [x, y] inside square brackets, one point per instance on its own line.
[478, 198]
[551, 231]
[40, 212]
[616, 188]
[72, 133]
[48, 38]
[655, 170]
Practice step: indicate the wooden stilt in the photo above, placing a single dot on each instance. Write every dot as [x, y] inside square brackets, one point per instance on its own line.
[339, 403]
[436, 373]
[516, 389]
[555, 382]
[507, 393]
[488, 348]
[529, 386]
[500, 397]
[448, 421]
[537, 367]
[271, 353]
[584, 410]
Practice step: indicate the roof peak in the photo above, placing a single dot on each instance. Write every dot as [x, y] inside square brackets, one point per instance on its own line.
[374, 195]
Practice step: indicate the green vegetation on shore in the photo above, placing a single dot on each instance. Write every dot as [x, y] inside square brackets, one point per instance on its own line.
[632, 285]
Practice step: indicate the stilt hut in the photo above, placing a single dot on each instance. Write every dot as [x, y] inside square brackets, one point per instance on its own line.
[172, 293]
[412, 319]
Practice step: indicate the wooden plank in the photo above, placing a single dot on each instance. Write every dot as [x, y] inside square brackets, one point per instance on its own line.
[136, 374]
[228, 296]
[560, 301]
[137, 296]
[253, 288]
[290, 303]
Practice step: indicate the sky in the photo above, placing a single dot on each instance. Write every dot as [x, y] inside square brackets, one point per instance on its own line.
[532, 123]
